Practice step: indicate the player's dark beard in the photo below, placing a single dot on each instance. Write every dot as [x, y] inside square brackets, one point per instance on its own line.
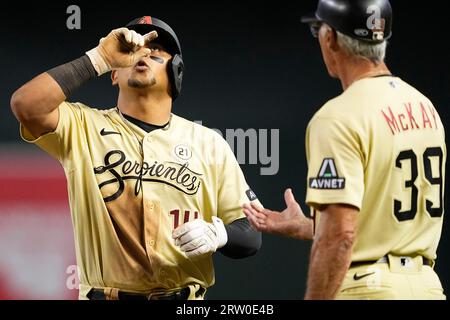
[138, 84]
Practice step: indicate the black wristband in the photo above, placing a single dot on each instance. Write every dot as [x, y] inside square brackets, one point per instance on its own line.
[72, 75]
[242, 242]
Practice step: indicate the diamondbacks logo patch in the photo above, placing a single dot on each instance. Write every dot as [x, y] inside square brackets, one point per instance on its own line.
[328, 178]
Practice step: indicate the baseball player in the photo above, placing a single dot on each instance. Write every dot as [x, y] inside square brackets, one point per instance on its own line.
[152, 195]
[376, 169]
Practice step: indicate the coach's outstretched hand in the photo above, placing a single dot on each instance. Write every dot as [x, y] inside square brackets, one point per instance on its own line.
[121, 48]
[198, 237]
[291, 222]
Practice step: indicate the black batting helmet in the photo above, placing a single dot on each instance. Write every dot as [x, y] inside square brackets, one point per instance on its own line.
[365, 20]
[168, 39]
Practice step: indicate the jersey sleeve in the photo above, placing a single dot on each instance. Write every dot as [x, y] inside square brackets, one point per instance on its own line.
[233, 190]
[63, 139]
[335, 164]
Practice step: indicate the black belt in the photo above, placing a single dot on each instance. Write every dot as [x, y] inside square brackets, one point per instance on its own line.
[385, 259]
[183, 294]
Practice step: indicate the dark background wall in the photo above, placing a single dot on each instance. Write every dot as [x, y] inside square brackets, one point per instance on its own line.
[248, 66]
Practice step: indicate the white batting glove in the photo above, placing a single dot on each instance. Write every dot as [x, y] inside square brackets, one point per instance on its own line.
[121, 48]
[198, 237]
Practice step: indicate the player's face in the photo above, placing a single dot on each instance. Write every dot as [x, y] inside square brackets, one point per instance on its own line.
[148, 73]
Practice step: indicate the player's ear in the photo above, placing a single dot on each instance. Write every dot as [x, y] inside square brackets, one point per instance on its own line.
[114, 79]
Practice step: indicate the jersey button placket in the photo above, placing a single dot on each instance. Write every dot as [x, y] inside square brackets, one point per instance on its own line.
[149, 206]
[152, 215]
[148, 139]
[147, 144]
[148, 215]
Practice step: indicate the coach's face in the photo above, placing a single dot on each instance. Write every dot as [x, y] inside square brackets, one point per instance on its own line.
[329, 48]
[148, 73]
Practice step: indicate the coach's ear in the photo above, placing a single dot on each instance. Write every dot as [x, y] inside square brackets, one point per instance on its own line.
[114, 78]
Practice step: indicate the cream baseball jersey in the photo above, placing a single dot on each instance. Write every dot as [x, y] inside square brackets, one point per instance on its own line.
[380, 146]
[129, 189]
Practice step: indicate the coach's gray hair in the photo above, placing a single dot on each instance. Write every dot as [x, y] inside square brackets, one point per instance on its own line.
[374, 52]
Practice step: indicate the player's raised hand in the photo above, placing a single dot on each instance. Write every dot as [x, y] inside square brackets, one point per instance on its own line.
[198, 237]
[121, 48]
[291, 222]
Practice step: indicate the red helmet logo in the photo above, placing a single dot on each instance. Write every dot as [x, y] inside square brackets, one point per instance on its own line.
[145, 20]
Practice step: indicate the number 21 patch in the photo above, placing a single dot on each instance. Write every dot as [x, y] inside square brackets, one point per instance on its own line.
[327, 178]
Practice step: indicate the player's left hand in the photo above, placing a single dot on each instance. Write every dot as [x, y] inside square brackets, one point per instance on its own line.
[121, 48]
[198, 237]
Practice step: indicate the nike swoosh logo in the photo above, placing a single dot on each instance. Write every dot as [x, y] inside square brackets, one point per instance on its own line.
[103, 132]
[356, 277]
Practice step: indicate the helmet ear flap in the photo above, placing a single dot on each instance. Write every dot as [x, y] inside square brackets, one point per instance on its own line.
[176, 72]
